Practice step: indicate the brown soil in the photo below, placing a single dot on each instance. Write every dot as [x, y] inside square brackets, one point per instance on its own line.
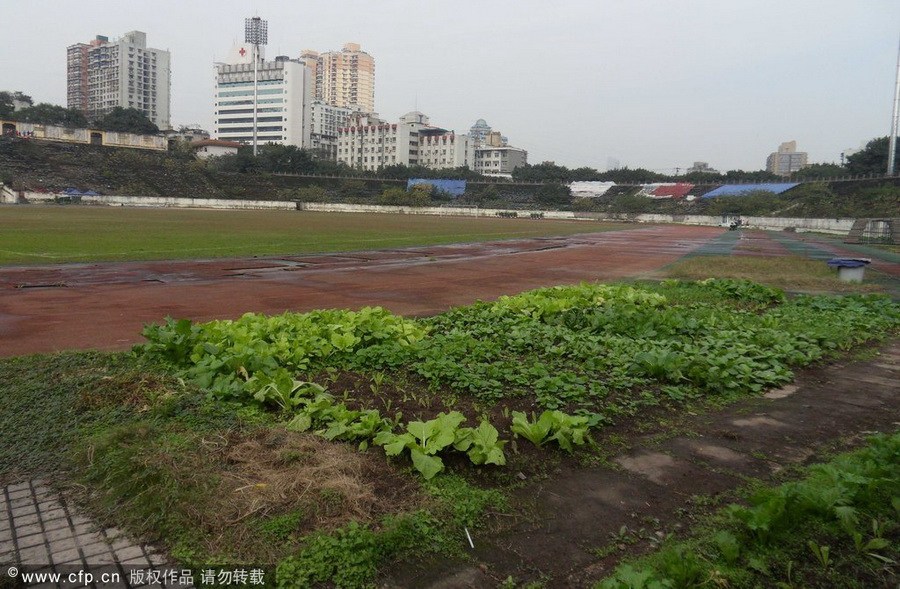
[105, 306]
[651, 486]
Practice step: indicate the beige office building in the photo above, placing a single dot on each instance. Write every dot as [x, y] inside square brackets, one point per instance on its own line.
[787, 159]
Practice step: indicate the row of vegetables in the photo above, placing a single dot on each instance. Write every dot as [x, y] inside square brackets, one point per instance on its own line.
[584, 355]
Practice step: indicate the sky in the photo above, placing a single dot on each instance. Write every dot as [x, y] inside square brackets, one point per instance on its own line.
[651, 83]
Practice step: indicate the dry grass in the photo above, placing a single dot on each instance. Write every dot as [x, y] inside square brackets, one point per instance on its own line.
[275, 486]
[791, 273]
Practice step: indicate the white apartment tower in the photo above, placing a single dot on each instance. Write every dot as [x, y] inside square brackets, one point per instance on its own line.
[104, 74]
[283, 100]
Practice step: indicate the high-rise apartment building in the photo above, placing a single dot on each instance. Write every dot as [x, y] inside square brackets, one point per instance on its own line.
[283, 100]
[787, 159]
[104, 74]
[344, 78]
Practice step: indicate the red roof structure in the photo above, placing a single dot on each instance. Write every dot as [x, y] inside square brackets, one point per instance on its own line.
[218, 142]
[678, 190]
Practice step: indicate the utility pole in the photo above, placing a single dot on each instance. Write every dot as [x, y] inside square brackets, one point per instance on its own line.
[895, 123]
[256, 33]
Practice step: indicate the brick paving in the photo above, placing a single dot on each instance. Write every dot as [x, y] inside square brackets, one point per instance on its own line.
[41, 532]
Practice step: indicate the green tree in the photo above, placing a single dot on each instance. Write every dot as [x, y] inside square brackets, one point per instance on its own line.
[756, 176]
[632, 176]
[240, 163]
[285, 159]
[353, 189]
[50, 114]
[585, 174]
[126, 120]
[872, 159]
[543, 172]
[479, 195]
[701, 178]
[7, 102]
[553, 195]
[400, 197]
[820, 171]
[630, 202]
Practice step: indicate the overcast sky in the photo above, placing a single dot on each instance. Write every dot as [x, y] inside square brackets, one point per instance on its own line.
[657, 84]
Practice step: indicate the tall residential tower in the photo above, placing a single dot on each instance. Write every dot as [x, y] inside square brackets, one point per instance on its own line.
[344, 78]
[104, 74]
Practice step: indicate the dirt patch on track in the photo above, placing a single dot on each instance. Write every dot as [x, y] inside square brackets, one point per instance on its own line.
[104, 306]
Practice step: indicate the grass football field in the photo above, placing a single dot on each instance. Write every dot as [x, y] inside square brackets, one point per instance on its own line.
[58, 234]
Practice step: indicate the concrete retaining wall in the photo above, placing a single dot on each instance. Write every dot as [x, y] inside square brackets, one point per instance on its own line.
[444, 211]
[162, 202]
[836, 226]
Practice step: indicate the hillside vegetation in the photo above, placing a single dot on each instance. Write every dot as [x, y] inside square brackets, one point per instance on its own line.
[51, 167]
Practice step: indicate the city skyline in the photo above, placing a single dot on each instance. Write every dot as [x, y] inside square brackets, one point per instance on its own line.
[647, 84]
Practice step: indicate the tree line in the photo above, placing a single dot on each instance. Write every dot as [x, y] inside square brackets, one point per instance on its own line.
[122, 120]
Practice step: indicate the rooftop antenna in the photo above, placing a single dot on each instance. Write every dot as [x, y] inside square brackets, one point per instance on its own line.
[256, 33]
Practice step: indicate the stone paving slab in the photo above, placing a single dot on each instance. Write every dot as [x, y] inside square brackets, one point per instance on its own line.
[40, 532]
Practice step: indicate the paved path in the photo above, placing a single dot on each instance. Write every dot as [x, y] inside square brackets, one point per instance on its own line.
[40, 532]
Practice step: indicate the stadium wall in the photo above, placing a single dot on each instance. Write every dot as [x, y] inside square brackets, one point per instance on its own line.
[162, 201]
[835, 226]
[323, 207]
[83, 136]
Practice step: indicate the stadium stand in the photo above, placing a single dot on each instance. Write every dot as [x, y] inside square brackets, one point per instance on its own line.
[739, 189]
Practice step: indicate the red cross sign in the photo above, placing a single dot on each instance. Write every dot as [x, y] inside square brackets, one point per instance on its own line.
[242, 51]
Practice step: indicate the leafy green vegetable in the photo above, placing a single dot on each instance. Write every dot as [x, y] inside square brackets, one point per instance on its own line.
[425, 439]
[565, 430]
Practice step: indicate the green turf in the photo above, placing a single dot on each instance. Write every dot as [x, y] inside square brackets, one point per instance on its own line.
[56, 234]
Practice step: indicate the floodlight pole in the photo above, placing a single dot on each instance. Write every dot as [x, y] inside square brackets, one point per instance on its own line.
[895, 123]
[255, 33]
[255, 94]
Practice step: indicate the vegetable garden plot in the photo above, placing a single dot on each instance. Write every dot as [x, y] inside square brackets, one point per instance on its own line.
[585, 356]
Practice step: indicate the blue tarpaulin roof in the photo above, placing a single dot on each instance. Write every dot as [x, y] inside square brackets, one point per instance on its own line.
[848, 262]
[739, 189]
[453, 187]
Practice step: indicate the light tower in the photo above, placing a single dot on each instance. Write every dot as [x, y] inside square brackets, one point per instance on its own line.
[895, 122]
[256, 33]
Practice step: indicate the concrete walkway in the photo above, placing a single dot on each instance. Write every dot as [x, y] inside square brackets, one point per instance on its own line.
[41, 532]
